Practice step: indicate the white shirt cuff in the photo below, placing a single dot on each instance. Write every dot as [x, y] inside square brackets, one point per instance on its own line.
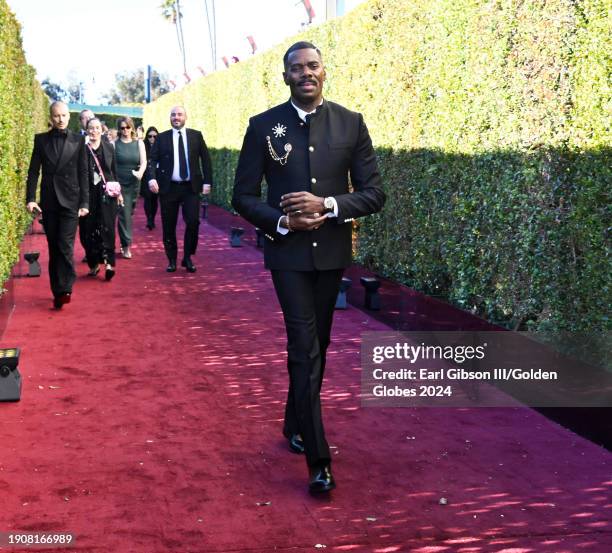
[333, 213]
[279, 229]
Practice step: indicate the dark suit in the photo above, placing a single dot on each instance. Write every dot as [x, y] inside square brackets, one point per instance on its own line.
[64, 190]
[173, 194]
[307, 266]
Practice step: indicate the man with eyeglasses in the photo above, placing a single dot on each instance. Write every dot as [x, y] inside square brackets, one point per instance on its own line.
[179, 170]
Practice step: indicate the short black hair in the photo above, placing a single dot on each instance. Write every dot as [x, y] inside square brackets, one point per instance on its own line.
[302, 45]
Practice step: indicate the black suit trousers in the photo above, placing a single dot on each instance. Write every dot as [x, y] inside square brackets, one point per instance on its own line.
[150, 204]
[60, 226]
[307, 299]
[180, 194]
[83, 232]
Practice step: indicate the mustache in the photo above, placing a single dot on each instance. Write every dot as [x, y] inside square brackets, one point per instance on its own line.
[307, 81]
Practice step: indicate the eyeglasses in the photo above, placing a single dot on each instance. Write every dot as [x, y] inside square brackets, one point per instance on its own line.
[151, 136]
[125, 128]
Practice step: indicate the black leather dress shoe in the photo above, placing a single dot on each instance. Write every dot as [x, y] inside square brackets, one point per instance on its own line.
[109, 273]
[188, 264]
[171, 268]
[321, 479]
[296, 444]
[59, 301]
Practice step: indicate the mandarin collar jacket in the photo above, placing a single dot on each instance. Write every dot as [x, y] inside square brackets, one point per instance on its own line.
[332, 156]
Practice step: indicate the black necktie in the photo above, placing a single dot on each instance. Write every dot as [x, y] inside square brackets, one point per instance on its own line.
[308, 118]
[182, 158]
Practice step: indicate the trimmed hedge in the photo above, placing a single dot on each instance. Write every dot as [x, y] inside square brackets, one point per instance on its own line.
[492, 127]
[23, 111]
[109, 120]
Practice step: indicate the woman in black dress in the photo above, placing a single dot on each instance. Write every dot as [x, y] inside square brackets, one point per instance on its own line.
[102, 218]
[150, 199]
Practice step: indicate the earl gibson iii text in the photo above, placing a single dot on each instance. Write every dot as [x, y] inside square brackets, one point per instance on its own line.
[466, 369]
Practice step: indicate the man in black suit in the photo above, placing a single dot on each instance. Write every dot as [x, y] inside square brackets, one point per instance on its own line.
[64, 196]
[179, 169]
[305, 149]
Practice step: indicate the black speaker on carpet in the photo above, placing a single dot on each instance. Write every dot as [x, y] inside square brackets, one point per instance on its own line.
[341, 302]
[10, 379]
[237, 232]
[34, 265]
[372, 297]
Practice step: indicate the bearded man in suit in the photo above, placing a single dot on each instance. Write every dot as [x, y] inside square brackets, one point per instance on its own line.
[306, 148]
[64, 196]
[179, 169]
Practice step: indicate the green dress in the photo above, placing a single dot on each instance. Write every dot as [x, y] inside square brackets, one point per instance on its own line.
[128, 159]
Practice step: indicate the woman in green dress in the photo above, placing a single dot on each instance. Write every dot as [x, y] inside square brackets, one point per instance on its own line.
[131, 164]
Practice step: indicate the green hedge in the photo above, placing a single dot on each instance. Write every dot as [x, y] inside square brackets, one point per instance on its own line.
[108, 119]
[23, 111]
[492, 126]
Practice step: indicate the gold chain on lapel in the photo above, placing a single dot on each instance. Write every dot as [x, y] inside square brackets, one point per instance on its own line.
[282, 160]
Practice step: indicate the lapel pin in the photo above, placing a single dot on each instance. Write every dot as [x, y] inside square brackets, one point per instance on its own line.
[279, 130]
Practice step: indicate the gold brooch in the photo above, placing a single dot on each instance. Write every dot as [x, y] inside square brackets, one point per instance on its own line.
[281, 159]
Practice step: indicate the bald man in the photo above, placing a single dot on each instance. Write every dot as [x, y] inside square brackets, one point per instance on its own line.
[179, 170]
[64, 196]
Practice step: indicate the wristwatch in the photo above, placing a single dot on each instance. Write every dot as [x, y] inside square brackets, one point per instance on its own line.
[328, 204]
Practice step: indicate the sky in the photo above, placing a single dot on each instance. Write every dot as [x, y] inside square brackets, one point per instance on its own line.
[94, 40]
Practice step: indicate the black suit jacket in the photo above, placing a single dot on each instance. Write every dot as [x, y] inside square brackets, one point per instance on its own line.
[160, 164]
[109, 167]
[67, 175]
[321, 157]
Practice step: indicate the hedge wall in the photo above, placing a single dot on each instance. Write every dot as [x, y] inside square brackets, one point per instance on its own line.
[491, 121]
[107, 118]
[23, 111]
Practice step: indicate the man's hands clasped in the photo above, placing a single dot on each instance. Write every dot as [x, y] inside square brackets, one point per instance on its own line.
[303, 210]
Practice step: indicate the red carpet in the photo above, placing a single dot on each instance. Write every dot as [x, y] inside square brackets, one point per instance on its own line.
[150, 421]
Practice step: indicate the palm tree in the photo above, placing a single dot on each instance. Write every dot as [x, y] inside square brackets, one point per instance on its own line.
[171, 10]
[212, 32]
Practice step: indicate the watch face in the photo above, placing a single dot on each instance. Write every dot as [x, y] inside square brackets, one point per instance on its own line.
[328, 203]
